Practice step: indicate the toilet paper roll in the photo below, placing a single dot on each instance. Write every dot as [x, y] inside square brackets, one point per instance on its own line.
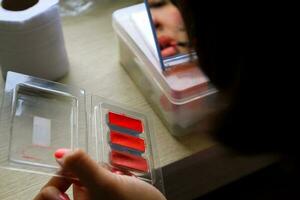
[31, 38]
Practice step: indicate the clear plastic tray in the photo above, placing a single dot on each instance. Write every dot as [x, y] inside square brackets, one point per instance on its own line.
[39, 116]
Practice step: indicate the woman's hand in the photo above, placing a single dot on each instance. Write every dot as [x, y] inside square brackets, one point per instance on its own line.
[95, 182]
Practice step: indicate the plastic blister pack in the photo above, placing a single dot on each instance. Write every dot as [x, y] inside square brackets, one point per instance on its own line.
[39, 116]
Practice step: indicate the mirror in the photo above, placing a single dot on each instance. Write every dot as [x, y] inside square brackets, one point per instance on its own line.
[169, 32]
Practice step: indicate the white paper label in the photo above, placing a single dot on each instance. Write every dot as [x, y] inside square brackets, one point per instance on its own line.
[19, 109]
[41, 131]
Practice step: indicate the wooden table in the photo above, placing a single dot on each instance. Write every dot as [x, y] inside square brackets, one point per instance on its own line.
[192, 165]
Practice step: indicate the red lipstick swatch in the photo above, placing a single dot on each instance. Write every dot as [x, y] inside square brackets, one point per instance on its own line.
[127, 141]
[125, 122]
[129, 161]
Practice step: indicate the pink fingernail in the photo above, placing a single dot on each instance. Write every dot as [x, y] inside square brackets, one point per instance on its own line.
[59, 153]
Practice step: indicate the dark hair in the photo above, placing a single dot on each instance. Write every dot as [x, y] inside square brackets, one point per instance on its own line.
[232, 45]
[216, 40]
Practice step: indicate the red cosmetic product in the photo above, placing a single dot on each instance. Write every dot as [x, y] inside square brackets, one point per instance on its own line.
[128, 161]
[123, 121]
[127, 141]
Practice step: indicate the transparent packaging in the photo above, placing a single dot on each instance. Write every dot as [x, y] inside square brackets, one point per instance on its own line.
[39, 116]
[181, 96]
[74, 7]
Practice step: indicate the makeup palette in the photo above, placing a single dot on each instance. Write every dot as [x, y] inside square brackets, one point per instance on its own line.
[39, 116]
[125, 140]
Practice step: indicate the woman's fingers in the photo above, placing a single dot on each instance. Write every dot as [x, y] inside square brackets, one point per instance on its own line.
[51, 193]
[62, 184]
[90, 174]
[101, 183]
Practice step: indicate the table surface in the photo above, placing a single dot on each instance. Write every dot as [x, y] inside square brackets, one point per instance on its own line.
[93, 53]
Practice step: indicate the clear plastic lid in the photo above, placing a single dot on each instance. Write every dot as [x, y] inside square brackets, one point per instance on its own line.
[39, 116]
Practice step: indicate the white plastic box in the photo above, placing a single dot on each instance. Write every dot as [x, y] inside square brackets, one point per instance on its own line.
[182, 96]
[39, 116]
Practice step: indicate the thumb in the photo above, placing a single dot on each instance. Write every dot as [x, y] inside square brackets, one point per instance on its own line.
[91, 175]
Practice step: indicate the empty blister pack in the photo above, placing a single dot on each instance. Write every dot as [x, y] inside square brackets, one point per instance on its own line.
[39, 116]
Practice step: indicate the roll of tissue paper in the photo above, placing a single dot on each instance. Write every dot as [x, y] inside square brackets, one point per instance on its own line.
[31, 38]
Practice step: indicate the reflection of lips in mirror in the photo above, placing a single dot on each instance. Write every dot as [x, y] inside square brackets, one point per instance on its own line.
[168, 46]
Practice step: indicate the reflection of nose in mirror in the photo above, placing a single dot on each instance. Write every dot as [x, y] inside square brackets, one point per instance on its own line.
[170, 33]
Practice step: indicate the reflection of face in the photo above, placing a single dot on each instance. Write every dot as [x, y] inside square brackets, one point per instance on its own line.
[170, 29]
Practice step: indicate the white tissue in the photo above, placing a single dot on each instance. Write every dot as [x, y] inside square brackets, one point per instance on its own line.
[31, 41]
